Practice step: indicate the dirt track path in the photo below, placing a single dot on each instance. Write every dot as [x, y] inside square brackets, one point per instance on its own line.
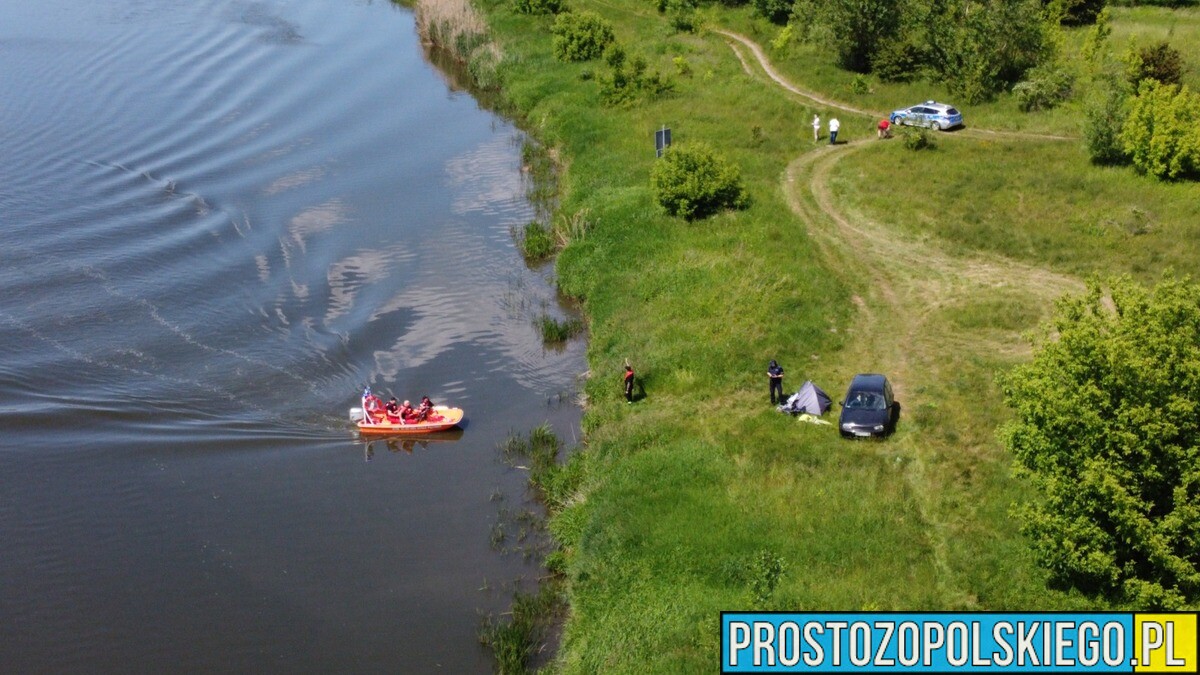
[735, 39]
[906, 288]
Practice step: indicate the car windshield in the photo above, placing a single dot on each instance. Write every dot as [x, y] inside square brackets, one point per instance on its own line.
[865, 400]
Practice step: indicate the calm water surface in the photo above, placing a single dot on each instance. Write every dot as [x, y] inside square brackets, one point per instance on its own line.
[218, 220]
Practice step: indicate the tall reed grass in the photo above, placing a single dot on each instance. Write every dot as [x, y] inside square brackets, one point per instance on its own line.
[456, 28]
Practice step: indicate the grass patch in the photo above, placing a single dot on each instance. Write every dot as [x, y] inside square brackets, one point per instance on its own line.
[1041, 202]
[514, 639]
[558, 330]
[536, 242]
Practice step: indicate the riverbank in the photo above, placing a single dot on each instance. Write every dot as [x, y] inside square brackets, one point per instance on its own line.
[700, 497]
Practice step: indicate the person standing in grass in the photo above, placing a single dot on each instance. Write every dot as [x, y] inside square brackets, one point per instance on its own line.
[775, 375]
[816, 128]
[834, 125]
[628, 383]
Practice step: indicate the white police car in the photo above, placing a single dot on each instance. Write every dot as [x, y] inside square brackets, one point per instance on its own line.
[936, 116]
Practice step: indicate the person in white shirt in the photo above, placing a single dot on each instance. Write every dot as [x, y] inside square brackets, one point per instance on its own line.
[816, 128]
[834, 125]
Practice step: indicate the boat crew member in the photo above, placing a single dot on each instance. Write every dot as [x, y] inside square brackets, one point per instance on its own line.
[370, 405]
[424, 409]
[393, 411]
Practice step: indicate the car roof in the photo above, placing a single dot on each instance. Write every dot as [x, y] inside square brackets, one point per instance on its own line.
[942, 107]
[868, 382]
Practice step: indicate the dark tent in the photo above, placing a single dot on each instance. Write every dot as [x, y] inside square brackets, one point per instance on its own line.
[810, 399]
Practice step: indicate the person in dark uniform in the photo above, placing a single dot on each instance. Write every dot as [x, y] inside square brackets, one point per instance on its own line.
[629, 384]
[393, 411]
[775, 375]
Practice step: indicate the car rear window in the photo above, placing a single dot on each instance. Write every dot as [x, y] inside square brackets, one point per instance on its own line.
[951, 111]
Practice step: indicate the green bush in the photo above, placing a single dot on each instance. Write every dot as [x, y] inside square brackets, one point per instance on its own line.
[1079, 12]
[1107, 426]
[581, 36]
[1046, 87]
[693, 181]
[918, 139]
[1161, 135]
[898, 60]
[1104, 115]
[539, 6]
[1159, 61]
[682, 14]
[775, 11]
[629, 80]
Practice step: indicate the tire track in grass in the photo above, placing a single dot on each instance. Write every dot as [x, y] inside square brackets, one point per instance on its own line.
[765, 64]
[903, 285]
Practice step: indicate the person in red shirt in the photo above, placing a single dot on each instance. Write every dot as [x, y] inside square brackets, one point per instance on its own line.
[885, 128]
[629, 384]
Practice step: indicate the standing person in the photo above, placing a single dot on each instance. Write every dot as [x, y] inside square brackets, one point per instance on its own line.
[370, 405]
[816, 128]
[775, 375]
[628, 384]
[834, 125]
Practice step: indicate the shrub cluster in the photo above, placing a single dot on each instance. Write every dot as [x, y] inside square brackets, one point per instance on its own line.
[1161, 135]
[1046, 87]
[918, 139]
[1105, 115]
[629, 80]
[693, 181]
[581, 36]
[539, 6]
[1159, 61]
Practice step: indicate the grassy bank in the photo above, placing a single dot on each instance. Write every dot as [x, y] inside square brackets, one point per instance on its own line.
[700, 497]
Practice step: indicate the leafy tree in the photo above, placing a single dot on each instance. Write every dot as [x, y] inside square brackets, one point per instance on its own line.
[1160, 134]
[1159, 61]
[1046, 87]
[1097, 38]
[855, 30]
[629, 80]
[1105, 113]
[539, 6]
[1076, 12]
[899, 59]
[775, 11]
[1108, 428]
[693, 181]
[581, 36]
[983, 46]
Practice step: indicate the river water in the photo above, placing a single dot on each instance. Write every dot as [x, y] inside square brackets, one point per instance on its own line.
[219, 219]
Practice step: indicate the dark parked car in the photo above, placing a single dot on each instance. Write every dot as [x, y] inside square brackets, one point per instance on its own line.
[869, 408]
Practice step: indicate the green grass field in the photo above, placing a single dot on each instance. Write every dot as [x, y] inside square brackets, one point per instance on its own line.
[1034, 201]
[862, 258]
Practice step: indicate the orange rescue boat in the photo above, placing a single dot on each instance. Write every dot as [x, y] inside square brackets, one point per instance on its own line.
[441, 419]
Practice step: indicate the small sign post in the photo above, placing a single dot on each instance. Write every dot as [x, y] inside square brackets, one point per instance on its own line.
[662, 139]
